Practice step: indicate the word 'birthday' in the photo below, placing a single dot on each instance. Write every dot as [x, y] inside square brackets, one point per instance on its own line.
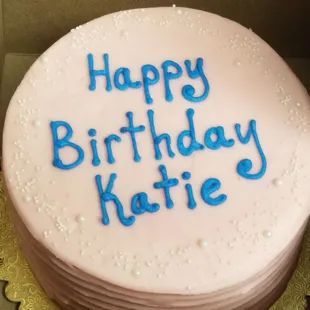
[150, 76]
[186, 143]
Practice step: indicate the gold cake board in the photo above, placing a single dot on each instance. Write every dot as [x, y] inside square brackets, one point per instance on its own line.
[23, 288]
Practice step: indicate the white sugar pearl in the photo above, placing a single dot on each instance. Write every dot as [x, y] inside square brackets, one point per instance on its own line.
[267, 234]
[136, 273]
[80, 218]
[44, 59]
[37, 123]
[277, 182]
[27, 198]
[202, 243]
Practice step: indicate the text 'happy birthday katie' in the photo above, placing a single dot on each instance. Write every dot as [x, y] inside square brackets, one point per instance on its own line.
[185, 145]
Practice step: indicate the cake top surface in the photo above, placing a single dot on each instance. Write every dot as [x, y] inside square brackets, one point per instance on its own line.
[160, 150]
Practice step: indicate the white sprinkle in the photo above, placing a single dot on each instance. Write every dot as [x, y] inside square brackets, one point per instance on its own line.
[173, 5]
[202, 243]
[124, 34]
[267, 233]
[238, 63]
[149, 264]
[126, 267]
[179, 11]
[135, 273]
[27, 198]
[80, 218]
[38, 168]
[277, 182]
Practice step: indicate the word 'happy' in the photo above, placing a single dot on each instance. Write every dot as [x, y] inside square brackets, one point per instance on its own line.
[171, 70]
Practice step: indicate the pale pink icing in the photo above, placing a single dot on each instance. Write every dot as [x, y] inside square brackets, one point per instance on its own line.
[248, 80]
[71, 288]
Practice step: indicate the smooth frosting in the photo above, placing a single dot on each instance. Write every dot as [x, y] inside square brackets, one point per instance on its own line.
[162, 151]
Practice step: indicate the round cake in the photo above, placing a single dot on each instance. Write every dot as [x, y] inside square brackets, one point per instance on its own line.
[159, 158]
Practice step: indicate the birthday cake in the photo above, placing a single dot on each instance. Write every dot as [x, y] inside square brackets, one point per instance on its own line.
[159, 158]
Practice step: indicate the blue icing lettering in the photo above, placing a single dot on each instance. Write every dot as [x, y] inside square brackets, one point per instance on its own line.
[132, 132]
[188, 91]
[108, 142]
[127, 83]
[60, 143]
[166, 184]
[147, 81]
[107, 196]
[92, 132]
[189, 190]
[193, 145]
[93, 143]
[140, 204]
[186, 175]
[208, 188]
[158, 139]
[95, 73]
[150, 76]
[220, 141]
[168, 76]
[245, 165]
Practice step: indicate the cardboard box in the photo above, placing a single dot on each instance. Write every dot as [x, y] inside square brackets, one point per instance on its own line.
[28, 27]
